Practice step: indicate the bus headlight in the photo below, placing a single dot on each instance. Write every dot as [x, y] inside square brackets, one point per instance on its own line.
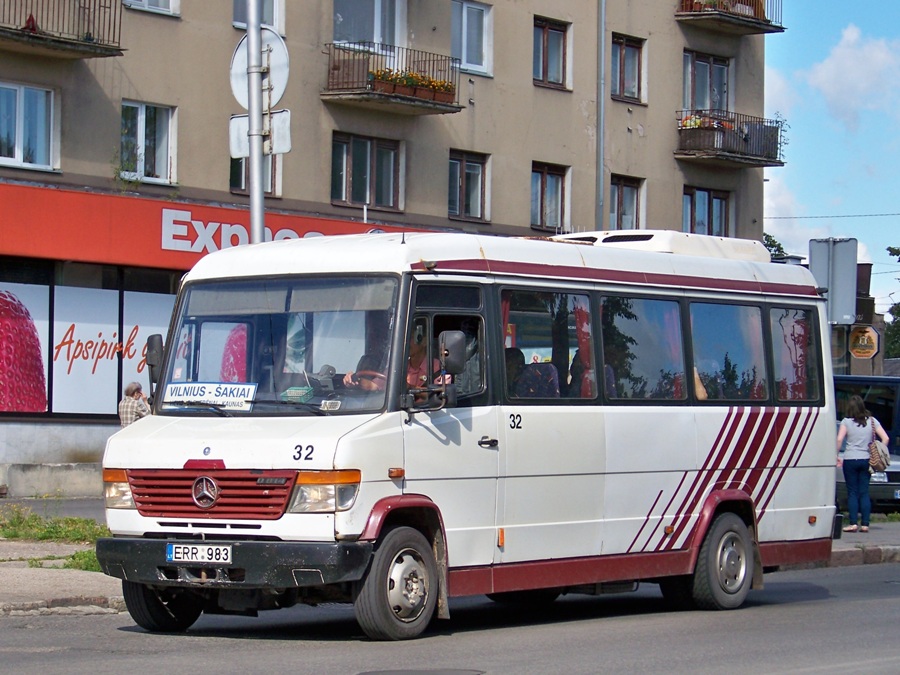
[324, 491]
[116, 491]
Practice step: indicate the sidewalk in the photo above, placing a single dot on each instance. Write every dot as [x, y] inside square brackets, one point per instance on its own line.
[48, 589]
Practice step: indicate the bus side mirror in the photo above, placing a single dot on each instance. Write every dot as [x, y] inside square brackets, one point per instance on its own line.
[452, 348]
[154, 356]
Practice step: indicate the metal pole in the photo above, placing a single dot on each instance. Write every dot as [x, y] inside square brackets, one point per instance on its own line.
[254, 110]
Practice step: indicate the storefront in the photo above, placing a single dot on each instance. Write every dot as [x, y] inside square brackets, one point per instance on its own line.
[84, 279]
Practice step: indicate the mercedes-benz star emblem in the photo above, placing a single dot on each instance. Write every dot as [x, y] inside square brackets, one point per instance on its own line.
[205, 492]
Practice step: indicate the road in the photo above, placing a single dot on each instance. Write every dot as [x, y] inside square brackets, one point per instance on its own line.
[830, 620]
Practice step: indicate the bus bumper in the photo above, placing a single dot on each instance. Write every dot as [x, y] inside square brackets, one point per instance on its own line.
[253, 565]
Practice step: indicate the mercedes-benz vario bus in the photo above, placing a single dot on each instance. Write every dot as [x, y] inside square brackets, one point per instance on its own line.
[394, 420]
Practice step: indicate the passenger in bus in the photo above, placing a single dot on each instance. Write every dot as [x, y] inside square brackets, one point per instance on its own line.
[538, 380]
[515, 362]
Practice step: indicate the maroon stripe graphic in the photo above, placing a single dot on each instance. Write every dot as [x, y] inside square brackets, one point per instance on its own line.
[618, 276]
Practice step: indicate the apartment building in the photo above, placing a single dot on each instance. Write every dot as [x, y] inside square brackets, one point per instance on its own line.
[512, 117]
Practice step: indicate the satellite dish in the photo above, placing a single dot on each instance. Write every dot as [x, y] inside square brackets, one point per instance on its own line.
[275, 56]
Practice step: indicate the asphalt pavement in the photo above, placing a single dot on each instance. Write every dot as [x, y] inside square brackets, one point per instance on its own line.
[33, 582]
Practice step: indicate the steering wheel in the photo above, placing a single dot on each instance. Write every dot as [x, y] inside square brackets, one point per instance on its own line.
[376, 381]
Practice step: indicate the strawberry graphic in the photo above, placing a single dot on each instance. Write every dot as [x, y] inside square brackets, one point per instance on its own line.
[234, 357]
[23, 387]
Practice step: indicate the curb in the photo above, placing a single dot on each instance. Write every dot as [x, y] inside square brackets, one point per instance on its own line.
[76, 606]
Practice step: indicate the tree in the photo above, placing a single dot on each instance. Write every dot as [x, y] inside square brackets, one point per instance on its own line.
[892, 328]
[776, 250]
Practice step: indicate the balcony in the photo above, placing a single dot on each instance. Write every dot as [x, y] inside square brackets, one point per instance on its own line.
[738, 17]
[63, 29]
[391, 79]
[728, 139]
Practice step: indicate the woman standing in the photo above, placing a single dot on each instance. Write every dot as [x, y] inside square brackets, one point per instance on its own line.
[857, 428]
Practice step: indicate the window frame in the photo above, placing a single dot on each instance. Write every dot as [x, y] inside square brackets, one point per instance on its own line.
[689, 224]
[689, 75]
[618, 66]
[138, 174]
[544, 170]
[240, 21]
[546, 27]
[271, 175]
[618, 184]
[460, 42]
[396, 37]
[50, 135]
[174, 8]
[397, 174]
[464, 159]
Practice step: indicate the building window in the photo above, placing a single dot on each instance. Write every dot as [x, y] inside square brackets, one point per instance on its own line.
[548, 197]
[163, 6]
[623, 203]
[705, 212]
[549, 58]
[376, 21]
[365, 171]
[471, 35]
[239, 181]
[705, 82]
[466, 196]
[271, 13]
[26, 136]
[146, 152]
[626, 68]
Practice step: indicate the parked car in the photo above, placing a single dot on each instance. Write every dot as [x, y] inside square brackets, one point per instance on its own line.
[881, 395]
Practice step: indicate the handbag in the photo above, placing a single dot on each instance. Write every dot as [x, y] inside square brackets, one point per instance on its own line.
[879, 457]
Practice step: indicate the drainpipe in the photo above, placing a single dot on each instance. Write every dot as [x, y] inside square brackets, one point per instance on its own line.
[599, 202]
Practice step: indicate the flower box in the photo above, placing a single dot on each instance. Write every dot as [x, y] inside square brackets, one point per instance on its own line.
[444, 96]
[425, 93]
[383, 87]
[404, 90]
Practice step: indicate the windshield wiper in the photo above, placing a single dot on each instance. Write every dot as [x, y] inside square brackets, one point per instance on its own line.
[219, 410]
[311, 407]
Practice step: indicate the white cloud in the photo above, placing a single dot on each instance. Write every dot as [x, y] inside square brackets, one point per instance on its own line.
[857, 76]
[781, 95]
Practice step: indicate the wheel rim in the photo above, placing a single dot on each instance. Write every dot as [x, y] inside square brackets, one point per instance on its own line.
[732, 563]
[407, 585]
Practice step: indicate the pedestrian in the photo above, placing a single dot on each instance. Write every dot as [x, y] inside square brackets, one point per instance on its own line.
[134, 404]
[858, 429]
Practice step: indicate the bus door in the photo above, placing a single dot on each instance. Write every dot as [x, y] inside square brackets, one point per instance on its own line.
[451, 455]
[552, 450]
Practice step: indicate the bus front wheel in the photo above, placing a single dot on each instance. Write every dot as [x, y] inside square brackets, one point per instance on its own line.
[169, 611]
[397, 598]
[725, 565]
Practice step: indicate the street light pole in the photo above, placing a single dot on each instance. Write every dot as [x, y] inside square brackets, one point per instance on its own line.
[254, 110]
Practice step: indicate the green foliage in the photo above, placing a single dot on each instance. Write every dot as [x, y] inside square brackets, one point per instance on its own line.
[892, 333]
[19, 522]
[83, 560]
[776, 250]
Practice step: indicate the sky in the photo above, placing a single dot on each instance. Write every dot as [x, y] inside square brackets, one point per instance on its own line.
[834, 75]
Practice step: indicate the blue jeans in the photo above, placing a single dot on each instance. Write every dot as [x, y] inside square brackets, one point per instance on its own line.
[856, 473]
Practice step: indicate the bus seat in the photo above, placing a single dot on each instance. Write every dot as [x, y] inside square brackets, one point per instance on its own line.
[538, 380]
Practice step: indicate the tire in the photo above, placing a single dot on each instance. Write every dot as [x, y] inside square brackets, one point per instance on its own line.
[161, 612]
[678, 592]
[724, 569]
[398, 595]
[538, 597]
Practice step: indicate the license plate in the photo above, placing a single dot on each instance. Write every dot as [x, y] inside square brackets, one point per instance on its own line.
[198, 553]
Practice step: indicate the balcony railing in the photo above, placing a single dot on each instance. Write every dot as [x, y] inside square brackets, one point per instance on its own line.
[742, 17]
[729, 138]
[63, 28]
[407, 81]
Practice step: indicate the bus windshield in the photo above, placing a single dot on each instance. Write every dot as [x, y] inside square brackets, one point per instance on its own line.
[280, 347]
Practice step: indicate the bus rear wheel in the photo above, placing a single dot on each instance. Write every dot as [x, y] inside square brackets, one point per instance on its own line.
[724, 569]
[397, 598]
[169, 611]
